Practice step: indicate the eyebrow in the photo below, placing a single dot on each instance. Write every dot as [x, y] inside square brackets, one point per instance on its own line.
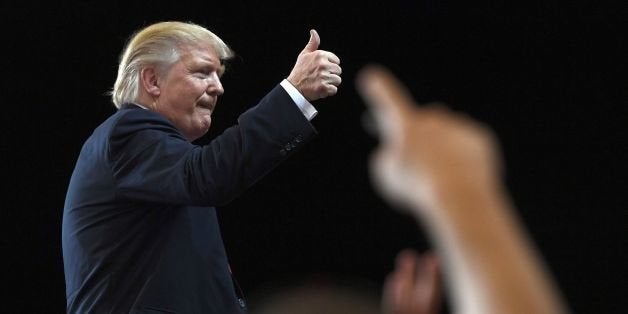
[212, 64]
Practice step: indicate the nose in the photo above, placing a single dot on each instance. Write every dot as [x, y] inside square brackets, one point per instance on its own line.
[214, 87]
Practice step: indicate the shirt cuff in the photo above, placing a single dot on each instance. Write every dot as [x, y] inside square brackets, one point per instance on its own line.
[305, 106]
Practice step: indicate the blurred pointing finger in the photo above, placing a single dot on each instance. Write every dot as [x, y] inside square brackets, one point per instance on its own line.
[385, 95]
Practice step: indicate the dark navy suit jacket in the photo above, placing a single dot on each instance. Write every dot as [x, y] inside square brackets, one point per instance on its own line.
[140, 233]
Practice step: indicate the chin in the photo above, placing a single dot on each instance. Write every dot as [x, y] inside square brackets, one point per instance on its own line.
[206, 124]
[203, 129]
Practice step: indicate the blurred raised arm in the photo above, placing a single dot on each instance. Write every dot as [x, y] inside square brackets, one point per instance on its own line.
[444, 168]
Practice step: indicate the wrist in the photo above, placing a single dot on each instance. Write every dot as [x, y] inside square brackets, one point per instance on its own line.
[462, 200]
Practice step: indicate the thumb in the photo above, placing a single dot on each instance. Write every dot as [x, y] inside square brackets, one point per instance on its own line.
[313, 43]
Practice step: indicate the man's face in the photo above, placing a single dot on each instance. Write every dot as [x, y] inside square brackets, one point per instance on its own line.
[189, 90]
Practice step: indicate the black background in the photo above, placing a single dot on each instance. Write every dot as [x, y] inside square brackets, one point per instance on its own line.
[549, 78]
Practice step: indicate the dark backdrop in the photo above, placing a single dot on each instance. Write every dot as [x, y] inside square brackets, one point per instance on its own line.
[548, 78]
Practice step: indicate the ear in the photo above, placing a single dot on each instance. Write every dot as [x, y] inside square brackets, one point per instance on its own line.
[149, 81]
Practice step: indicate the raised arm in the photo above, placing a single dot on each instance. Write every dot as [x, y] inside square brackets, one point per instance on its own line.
[444, 168]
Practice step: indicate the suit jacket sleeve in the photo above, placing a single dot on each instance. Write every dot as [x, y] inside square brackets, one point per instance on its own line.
[152, 161]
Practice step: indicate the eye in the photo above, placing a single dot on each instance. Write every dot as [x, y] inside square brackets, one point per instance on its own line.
[205, 72]
[202, 73]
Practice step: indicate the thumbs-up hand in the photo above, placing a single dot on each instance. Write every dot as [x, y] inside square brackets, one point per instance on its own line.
[316, 73]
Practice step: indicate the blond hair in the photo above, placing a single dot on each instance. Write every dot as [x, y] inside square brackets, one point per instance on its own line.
[158, 45]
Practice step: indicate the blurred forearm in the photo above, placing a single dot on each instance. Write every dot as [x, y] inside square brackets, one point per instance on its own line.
[490, 264]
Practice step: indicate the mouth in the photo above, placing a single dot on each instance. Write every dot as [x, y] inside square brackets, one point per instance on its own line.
[207, 106]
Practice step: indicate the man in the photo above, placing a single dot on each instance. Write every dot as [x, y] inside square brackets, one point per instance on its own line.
[140, 232]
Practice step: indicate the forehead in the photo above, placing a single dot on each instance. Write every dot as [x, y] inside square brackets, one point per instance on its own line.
[201, 52]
